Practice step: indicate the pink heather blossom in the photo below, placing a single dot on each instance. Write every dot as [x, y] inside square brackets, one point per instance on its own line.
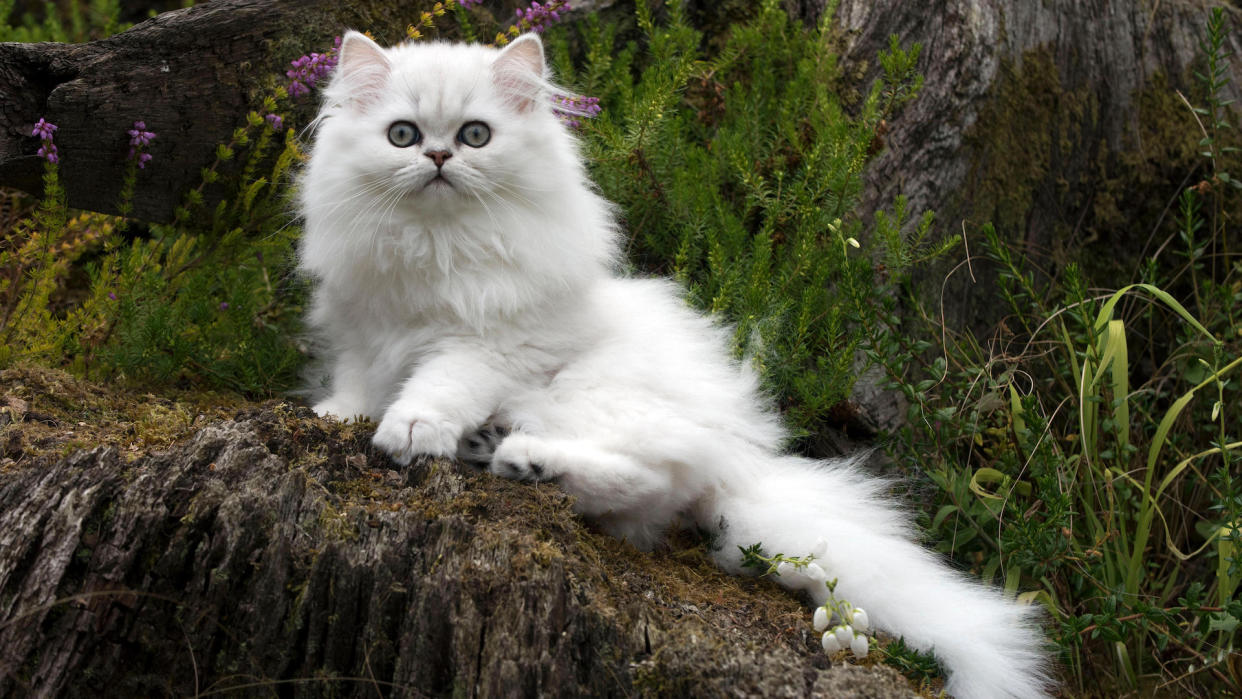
[568, 109]
[537, 18]
[139, 137]
[310, 69]
[139, 140]
[45, 130]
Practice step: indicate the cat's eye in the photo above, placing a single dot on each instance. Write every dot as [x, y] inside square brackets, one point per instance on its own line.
[403, 134]
[475, 134]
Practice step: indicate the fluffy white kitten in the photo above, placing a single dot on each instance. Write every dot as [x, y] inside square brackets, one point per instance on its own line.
[464, 272]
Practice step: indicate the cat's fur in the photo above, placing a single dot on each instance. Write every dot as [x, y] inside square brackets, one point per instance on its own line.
[492, 302]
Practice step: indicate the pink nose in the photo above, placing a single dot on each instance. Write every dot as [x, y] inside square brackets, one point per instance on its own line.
[439, 156]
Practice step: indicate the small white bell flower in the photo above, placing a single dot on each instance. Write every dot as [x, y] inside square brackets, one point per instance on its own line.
[821, 619]
[861, 622]
[785, 569]
[830, 643]
[844, 635]
[860, 646]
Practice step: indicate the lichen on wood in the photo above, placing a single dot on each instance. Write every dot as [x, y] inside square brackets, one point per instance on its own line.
[272, 551]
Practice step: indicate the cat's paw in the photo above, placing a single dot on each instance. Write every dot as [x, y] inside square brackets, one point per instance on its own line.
[405, 433]
[340, 409]
[519, 457]
[476, 448]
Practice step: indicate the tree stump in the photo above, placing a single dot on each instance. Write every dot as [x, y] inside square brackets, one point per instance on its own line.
[272, 552]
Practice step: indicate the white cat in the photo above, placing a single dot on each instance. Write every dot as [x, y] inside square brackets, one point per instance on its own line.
[465, 284]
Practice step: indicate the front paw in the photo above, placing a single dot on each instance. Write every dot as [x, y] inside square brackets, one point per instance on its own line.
[406, 433]
[519, 457]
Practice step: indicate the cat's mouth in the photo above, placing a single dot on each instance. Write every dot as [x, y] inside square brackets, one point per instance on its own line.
[438, 181]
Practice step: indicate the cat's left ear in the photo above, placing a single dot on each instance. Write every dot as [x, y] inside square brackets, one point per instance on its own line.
[519, 71]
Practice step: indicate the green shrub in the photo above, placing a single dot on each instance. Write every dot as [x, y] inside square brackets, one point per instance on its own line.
[738, 171]
[71, 21]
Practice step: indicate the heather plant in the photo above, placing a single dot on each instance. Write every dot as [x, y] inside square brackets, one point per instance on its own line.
[205, 300]
[841, 624]
[72, 21]
[738, 172]
[1086, 457]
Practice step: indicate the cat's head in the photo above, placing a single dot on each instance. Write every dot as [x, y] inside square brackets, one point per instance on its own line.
[441, 174]
[440, 127]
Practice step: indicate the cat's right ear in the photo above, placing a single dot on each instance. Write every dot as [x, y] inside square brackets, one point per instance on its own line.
[519, 71]
[362, 69]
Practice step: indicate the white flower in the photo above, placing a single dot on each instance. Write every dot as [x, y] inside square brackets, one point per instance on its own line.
[860, 646]
[830, 643]
[844, 635]
[861, 622]
[821, 619]
[785, 569]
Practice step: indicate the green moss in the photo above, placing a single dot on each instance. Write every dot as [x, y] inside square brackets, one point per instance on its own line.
[1044, 171]
[1025, 150]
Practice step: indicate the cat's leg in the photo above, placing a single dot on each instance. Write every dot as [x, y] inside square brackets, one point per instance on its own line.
[601, 480]
[448, 394]
[350, 387]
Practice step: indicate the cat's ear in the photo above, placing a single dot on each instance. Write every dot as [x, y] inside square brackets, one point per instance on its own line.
[519, 71]
[362, 68]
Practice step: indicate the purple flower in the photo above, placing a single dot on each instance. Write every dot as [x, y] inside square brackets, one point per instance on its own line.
[310, 69]
[112, 295]
[139, 139]
[224, 305]
[537, 18]
[44, 129]
[468, 3]
[274, 121]
[568, 109]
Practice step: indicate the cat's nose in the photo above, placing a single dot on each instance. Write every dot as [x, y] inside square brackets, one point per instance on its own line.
[439, 156]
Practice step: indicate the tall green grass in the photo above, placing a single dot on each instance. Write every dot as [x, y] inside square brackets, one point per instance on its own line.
[1086, 456]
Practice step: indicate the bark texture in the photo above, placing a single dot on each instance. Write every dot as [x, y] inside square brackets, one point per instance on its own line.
[1046, 118]
[275, 553]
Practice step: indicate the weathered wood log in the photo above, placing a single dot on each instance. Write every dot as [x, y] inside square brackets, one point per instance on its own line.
[276, 553]
[190, 74]
[1055, 120]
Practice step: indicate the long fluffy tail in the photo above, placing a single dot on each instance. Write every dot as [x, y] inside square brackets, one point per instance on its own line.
[990, 647]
